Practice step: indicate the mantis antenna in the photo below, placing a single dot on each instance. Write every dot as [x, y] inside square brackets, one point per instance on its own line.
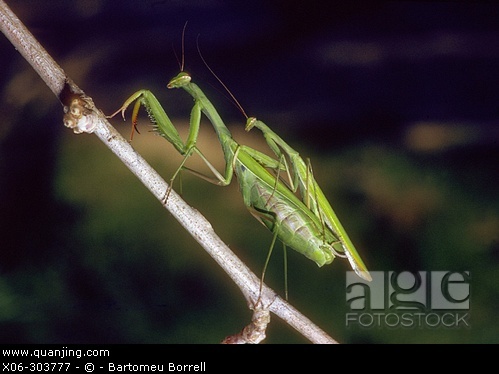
[235, 102]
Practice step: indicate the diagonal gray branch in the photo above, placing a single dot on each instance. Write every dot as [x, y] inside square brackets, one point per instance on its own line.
[82, 116]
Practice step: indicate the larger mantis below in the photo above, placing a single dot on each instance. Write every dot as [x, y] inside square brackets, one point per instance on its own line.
[309, 226]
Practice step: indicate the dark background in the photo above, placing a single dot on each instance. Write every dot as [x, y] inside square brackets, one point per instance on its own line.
[396, 104]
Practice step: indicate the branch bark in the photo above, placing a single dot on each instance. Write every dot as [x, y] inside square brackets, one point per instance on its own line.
[82, 116]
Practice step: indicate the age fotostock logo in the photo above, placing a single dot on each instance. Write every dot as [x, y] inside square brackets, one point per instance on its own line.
[425, 299]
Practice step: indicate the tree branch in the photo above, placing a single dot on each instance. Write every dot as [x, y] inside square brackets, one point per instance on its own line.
[82, 116]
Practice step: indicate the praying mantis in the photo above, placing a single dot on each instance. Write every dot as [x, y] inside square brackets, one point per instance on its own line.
[308, 225]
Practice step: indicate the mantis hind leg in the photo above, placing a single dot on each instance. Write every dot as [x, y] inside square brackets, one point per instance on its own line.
[267, 260]
[269, 218]
[285, 256]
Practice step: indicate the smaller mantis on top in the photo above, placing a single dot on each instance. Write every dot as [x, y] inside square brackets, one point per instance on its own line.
[308, 225]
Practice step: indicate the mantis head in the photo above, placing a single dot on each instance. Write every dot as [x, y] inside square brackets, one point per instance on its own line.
[250, 123]
[253, 122]
[180, 80]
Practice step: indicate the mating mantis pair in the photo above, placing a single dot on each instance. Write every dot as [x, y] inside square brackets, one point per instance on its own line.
[308, 225]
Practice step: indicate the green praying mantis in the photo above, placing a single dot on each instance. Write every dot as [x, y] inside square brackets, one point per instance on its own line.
[308, 224]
